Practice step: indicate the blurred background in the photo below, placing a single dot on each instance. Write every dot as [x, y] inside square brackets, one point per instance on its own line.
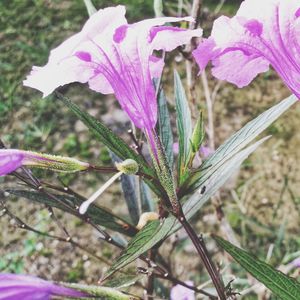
[261, 203]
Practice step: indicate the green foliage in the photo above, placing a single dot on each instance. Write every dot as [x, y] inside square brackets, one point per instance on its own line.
[280, 284]
[164, 127]
[111, 140]
[184, 127]
[137, 243]
[219, 168]
[237, 142]
[97, 215]
[155, 232]
[101, 293]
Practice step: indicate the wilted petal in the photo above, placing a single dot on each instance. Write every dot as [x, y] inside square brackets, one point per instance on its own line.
[15, 287]
[261, 33]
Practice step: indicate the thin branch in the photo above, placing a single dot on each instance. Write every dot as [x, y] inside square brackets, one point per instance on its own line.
[204, 255]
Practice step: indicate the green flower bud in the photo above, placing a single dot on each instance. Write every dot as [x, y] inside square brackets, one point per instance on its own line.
[53, 162]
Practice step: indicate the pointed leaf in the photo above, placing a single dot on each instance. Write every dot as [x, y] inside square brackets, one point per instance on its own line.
[216, 178]
[151, 232]
[164, 127]
[283, 286]
[97, 215]
[100, 292]
[238, 141]
[110, 139]
[184, 125]
[123, 281]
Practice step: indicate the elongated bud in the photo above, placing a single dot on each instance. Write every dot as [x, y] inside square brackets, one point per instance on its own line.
[198, 134]
[12, 159]
[128, 167]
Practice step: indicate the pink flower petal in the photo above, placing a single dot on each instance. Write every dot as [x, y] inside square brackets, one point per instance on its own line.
[245, 67]
[261, 33]
[113, 56]
[13, 287]
[179, 292]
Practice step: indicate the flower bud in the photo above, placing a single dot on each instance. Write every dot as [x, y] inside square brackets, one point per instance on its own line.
[12, 159]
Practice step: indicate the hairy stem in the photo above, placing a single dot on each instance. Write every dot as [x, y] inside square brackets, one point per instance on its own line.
[204, 255]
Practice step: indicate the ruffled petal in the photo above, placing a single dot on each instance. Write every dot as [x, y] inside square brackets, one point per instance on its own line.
[168, 38]
[205, 52]
[64, 66]
[261, 33]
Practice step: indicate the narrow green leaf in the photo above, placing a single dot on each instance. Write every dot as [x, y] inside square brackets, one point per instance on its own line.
[164, 127]
[111, 140]
[281, 285]
[97, 215]
[123, 281]
[210, 184]
[237, 142]
[184, 126]
[100, 292]
[136, 244]
[155, 232]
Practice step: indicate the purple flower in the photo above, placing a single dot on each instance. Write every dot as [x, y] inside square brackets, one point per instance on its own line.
[296, 262]
[262, 33]
[176, 148]
[115, 57]
[12, 159]
[16, 287]
[179, 292]
[205, 151]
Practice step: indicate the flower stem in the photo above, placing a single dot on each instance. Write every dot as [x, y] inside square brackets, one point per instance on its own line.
[204, 255]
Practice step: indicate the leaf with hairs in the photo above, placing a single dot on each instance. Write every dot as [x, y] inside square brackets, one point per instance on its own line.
[283, 286]
[111, 140]
[97, 215]
[100, 292]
